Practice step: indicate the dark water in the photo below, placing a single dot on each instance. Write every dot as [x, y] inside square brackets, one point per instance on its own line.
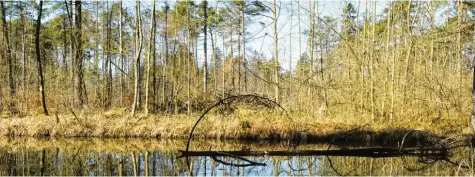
[130, 157]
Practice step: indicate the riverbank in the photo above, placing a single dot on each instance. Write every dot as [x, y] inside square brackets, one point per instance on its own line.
[244, 124]
[126, 145]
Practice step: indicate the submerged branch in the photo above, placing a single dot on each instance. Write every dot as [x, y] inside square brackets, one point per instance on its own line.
[366, 152]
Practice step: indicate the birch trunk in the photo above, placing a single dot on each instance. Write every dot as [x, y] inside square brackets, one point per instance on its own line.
[138, 50]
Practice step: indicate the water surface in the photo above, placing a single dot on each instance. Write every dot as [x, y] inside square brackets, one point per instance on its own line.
[139, 157]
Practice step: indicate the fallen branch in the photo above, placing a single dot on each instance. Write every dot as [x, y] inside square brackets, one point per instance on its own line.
[364, 152]
[228, 100]
[225, 101]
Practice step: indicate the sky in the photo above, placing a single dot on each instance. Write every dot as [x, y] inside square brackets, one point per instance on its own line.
[287, 27]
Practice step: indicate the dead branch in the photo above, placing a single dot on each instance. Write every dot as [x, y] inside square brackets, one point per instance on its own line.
[227, 100]
[360, 152]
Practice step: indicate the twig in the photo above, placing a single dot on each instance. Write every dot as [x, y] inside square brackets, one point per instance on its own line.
[238, 165]
[57, 117]
[403, 138]
[72, 112]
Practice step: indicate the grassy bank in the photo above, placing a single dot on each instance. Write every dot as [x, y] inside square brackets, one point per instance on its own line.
[242, 124]
[122, 145]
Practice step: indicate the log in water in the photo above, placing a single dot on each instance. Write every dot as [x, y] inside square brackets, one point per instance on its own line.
[366, 152]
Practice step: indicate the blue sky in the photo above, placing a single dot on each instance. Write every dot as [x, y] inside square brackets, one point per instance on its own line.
[325, 8]
[265, 44]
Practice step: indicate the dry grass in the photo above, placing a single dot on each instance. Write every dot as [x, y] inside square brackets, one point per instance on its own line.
[242, 124]
[123, 145]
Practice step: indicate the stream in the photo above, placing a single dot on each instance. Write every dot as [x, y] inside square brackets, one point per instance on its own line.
[152, 157]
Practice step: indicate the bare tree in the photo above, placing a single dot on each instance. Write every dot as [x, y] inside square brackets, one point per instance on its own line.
[276, 55]
[121, 53]
[24, 53]
[108, 62]
[150, 53]
[243, 35]
[300, 53]
[205, 28]
[9, 54]
[472, 118]
[38, 58]
[79, 55]
[188, 61]
[1, 98]
[138, 50]
[96, 54]
[164, 74]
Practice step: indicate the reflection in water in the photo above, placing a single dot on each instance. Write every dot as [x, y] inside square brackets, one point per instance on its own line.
[75, 157]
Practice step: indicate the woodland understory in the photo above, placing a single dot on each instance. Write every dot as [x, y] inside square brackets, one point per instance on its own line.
[151, 68]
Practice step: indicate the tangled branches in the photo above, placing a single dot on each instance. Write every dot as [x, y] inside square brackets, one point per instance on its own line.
[246, 98]
[250, 98]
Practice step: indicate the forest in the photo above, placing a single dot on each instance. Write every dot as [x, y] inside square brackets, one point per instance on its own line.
[294, 68]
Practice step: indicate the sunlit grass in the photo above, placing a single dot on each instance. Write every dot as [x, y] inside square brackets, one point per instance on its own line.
[244, 123]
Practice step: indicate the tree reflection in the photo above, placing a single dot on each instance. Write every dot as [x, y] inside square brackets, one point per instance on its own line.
[83, 160]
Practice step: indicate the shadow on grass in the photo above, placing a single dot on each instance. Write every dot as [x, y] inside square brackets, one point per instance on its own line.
[385, 138]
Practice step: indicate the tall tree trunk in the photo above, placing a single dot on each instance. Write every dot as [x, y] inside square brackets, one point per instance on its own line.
[312, 37]
[472, 117]
[322, 76]
[38, 59]
[299, 58]
[290, 38]
[243, 35]
[276, 56]
[104, 51]
[232, 59]
[213, 46]
[164, 78]
[9, 54]
[121, 56]
[79, 60]
[24, 53]
[176, 59]
[362, 67]
[432, 29]
[154, 78]
[1, 98]
[239, 61]
[393, 82]
[150, 50]
[65, 49]
[72, 43]
[388, 38]
[188, 59]
[311, 42]
[96, 54]
[459, 47]
[371, 63]
[407, 45]
[108, 63]
[223, 68]
[138, 50]
[205, 28]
